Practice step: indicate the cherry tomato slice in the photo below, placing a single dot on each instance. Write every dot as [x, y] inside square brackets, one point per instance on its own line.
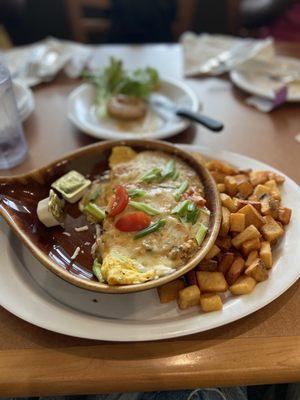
[118, 201]
[133, 222]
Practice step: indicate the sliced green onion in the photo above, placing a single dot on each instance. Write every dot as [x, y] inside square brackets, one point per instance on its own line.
[182, 188]
[175, 175]
[200, 235]
[169, 170]
[187, 211]
[192, 213]
[94, 211]
[181, 207]
[144, 207]
[97, 270]
[95, 194]
[150, 229]
[154, 174]
[135, 193]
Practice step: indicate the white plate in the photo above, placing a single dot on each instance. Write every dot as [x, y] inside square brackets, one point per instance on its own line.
[261, 85]
[24, 99]
[51, 303]
[82, 112]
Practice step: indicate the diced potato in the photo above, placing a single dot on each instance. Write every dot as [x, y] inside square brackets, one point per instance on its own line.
[244, 285]
[231, 185]
[208, 265]
[218, 176]
[245, 188]
[210, 302]
[188, 297]
[279, 179]
[274, 190]
[236, 270]
[250, 245]
[260, 191]
[121, 154]
[216, 165]
[225, 224]
[258, 177]
[237, 222]
[169, 291]
[271, 230]
[226, 262]
[252, 216]
[265, 205]
[257, 270]
[274, 206]
[211, 281]
[224, 243]
[241, 203]
[265, 254]
[249, 233]
[191, 278]
[228, 202]
[221, 187]
[212, 252]
[253, 255]
[284, 215]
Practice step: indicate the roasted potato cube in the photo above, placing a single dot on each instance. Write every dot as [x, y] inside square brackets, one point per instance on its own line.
[241, 203]
[231, 185]
[249, 233]
[279, 179]
[271, 230]
[265, 205]
[245, 188]
[218, 176]
[217, 165]
[191, 278]
[260, 191]
[208, 265]
[226, 262]
[274, 190]
[221, 187]
[274, 206]
[253, 255]
[188, 297]
[210, 302]
[211, 281]
[169, 291]
[250, 245]
[212, 252]
[284, 215]
[225, 224]
[224, 243]
[252, 216]
[121, 154]
[237, 222]
[235, 271]
[265, 254]
[257, 270]
[244, 285]
[258, 177]
[228, 202]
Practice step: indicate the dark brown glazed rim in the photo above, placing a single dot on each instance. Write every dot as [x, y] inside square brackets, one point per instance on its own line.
[85, 153]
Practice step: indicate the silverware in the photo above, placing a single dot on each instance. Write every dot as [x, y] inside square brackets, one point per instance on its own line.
[159, 102]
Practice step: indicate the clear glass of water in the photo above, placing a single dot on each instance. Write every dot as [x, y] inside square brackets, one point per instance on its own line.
[13, 148]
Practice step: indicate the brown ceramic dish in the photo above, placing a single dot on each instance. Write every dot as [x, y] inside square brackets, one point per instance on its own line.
[20, 194]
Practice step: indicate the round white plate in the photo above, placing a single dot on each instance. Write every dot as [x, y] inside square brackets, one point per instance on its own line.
[261, 85]
[31, 292]
[24, 99]
[83, 114]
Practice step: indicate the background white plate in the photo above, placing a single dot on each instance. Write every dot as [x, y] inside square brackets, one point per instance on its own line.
[81, 112]
[261, 85]
[33, 293]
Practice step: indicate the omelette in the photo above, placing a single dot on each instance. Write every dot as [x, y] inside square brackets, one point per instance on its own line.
[150, 214]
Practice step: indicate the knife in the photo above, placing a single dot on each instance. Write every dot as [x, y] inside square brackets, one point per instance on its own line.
[159, 101]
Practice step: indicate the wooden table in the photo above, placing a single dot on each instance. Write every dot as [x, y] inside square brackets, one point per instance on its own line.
[261, 348]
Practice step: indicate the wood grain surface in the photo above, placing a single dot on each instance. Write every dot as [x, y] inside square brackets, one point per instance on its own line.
[261, 348]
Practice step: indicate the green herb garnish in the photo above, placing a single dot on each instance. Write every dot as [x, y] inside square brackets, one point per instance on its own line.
[182, 188]
[144, 207]
[200, 235]
[187, 211]
[135, 193]
[150, 229]
[95, 211]
[153, 175]
[169, 170]
[175, 175]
